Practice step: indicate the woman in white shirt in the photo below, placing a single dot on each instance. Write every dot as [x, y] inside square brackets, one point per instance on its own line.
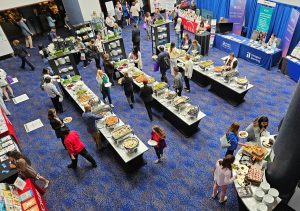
[134, 10]
[174, 54]
[5, 85]
[136, 56]
[257, 129]
[99, 44]
[188, 72]
[223, 177]
[110, 22]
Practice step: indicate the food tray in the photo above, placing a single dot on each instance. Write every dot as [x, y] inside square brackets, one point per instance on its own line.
[130, 144]
[180, 100]
[244, 191]
[160, 86]
[169, 95]
[242, 81]
[111, 121]
[255, 151]
[219, 68]
[255, 175]
[206, 64]
[121, 132]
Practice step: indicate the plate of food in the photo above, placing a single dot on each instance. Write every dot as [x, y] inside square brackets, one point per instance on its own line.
[268, 142]
[152, 143]
[67, 120]
[243, 134]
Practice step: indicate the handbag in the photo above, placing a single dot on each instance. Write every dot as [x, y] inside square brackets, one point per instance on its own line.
[155, 67]
[9, 79]
[224, 142]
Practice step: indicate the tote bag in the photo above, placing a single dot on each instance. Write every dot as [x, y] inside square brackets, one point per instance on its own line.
[224, 142]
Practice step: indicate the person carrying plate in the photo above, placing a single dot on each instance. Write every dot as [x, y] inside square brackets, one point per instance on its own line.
[158, 134]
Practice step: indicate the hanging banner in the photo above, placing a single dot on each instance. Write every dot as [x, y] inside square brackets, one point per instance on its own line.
[213, 24]
[236, 15]
[110, 8]
[264, 19]
[289, 31]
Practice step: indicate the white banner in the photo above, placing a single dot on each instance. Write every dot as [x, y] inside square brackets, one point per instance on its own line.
[267, 3]
[110, 8]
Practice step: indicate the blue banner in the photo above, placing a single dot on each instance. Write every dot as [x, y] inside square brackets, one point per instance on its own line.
[264, 19]
[236, 15]
[289, 32]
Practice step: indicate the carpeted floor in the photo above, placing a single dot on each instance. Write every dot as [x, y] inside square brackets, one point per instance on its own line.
[182, 182]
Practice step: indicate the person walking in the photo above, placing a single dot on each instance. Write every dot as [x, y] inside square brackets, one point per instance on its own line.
[174, 54]
[148, 22]
[2, 104]
[80, 46]
[179, 32]
[146, 95]
[188, 72]
[94, 53]
[5, 85]
[127, 83]
[134, 10]
[136, 37]
[76, 147]
[21, 22]
[126, 12]
[57, 125]
[159, 135]
[119, 14]
[23, 165]
[21, 52]
[54, 94]
[223, 177]
[90, 120]
[109, 69]
[103, 82]
[177, 83]
[163, 61]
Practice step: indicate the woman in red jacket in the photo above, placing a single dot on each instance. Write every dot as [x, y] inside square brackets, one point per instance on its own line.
[75, 147]
[159, 135]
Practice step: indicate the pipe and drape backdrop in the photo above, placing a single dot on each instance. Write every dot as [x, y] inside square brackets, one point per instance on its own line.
[279, 21]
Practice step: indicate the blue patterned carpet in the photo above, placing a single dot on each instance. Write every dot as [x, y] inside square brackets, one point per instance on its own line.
[182, 182]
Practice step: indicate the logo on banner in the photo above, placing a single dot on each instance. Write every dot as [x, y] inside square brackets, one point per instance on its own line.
[190, 26]
[253, 57]
[226, 45]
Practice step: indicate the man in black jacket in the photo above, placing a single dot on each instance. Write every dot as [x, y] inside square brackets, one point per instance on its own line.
[163, 61]
[21, 52]
[127, 83]
[146, 95]
[109, 69]
[136, 37]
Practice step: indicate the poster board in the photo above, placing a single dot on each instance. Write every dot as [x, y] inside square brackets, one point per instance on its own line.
[4, 44]
[163, 4]
[110, 8]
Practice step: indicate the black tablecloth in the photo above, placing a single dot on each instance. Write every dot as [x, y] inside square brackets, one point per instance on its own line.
[203, 40]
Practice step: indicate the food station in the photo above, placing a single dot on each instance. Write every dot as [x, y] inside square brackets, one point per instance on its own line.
[114, 45]
[121, 137]
[252, 187]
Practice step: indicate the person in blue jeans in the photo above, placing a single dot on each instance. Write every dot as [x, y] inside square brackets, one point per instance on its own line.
[232, 137]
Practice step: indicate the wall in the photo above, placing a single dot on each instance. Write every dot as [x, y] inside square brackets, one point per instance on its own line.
[8, 4]
[4, 44]
[88, 8]
[73, 11]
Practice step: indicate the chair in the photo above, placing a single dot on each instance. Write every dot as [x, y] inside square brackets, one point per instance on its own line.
[254, 35]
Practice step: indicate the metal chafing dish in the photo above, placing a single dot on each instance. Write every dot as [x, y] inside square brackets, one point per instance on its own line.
[170, 95]
[131, 144]
[121, 133]
[100, 109]
[193, 111]
[111, 125]
[179, 102]
[159, 88]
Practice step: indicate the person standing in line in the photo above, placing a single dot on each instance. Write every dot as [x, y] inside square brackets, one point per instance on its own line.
[109, 69]
[5, 85]
[57, 124]
[223, 177]
[21, 22]
[159, 135]
[195, 48]
[25, 170]
[90, 120]
[127, 83]
[232, 138]
[174, 54]
[119, 14]
[99, 44]
[134, 10]
[148, 21]
[117, 29]
[163, 61]
[2, 104]
[102, 80]
[188, 72]
[54, 94]
[76, 147]
[126, 12]
[51, 21]
[257, 129]
[110, 21]
[146, 95]
[179, 32]
[21, 52]
[136, 34]
[80, 46]
[94, 53]
[177, 84]
[136, 57]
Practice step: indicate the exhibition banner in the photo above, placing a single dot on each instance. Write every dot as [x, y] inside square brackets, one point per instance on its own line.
[264, 19]
[289, 31]
[236, 15]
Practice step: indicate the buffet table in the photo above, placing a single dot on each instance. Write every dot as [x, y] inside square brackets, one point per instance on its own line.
[250, 202]
[293, 68]
[246, 49]
[231, 92]
[179, 119]
[130, 161]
